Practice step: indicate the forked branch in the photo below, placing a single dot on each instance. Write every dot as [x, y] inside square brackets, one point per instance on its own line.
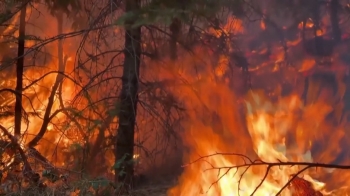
[248, 163]
[51, 99]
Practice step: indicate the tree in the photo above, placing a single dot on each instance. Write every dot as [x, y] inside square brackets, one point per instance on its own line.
[124, 143]
[19, 71]
[154, 13]
[176, 16]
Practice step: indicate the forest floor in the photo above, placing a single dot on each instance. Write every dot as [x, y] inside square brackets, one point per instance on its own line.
[154, 188]
[151, 190]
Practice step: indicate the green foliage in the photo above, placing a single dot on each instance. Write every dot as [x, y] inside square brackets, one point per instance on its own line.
[163, 12]
[75, 147]
[115, 110]
[4, 16]
[100, 183]
[50, 175]
[96, 186]
[148, 17]
[120, 162]
[119, 165]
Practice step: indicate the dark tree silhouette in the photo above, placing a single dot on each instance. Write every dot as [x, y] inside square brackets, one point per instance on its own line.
[128, 97]
[19, 71]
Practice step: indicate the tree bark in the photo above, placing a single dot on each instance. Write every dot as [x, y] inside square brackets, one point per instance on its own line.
[59, 79]
[19, 71]
[128, 99]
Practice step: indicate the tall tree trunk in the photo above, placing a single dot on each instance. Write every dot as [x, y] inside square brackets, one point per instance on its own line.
[58, 81]
[334, 20]
[19, 71]
[128, 99]
[175, 29]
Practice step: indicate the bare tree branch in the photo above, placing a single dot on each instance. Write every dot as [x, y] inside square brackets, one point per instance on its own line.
[248, 163]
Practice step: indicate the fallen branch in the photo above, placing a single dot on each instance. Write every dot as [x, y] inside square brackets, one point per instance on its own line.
[27, 169]
[248, 163]
[51, 172]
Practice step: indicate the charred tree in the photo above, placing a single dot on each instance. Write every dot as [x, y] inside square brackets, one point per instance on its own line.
[58, 81]
[175, 29]
[334, 5]
[128, 98]
[19, 71]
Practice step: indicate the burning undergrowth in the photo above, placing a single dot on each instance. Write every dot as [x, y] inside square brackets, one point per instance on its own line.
[235, 137]
[284, 131]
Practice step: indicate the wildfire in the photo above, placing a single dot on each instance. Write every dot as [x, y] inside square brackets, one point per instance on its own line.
[38, 80]
[268, 125]
[231, 140]
[285, 130]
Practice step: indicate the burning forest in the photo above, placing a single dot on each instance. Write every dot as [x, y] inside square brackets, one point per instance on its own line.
[177, 98]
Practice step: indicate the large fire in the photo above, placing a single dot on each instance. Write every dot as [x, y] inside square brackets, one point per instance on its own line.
[235, 142]
[72, 125]
[268, 125]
